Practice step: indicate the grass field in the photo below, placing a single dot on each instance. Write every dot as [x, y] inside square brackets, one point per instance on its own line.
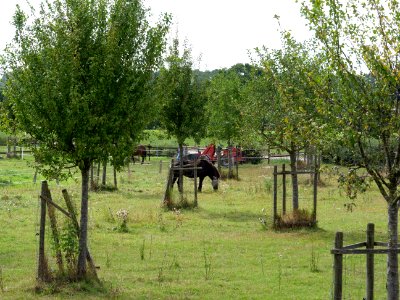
[218, 251]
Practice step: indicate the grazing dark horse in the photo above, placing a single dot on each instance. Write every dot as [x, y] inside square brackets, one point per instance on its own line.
[207, 169]
[141, 152]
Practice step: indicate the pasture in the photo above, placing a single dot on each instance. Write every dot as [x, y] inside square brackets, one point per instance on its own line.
[219, 250]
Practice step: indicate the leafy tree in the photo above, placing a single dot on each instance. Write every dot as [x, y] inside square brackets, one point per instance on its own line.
[204, 76]
[79, 81]
[361, 42]
[282, 104]
[224, 108]
[182, 98]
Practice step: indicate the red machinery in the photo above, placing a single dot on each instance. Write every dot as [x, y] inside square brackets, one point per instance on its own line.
[211, 153]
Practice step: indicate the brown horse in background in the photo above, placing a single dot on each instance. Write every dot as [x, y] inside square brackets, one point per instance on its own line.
[140, 151]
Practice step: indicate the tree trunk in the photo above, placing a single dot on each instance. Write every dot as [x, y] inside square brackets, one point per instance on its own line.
[98, 173]
[115, 179]
[81, 269]
[104, 179]
[295, 185]
[392, 283]
[15, 144]
[9, 146]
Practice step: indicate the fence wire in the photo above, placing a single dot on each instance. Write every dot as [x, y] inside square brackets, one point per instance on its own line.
[354, 277]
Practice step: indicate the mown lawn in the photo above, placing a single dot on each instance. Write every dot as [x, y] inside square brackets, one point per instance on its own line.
[218, 251]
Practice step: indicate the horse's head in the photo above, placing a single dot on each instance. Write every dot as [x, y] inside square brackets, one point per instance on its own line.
[215, 175]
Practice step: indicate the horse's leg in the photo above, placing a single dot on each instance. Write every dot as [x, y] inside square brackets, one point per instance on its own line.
[179, 185]
[143, 157]
[200, 183]
[173, 181]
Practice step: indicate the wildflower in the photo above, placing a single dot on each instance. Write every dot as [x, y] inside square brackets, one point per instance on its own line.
[122, 214]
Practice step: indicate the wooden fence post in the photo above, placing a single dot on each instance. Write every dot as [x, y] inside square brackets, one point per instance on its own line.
[314, 214]
[42, 265]
[283, 189]
[275, 193]
[370, 262]
[338, 265]
[195, 182]
[237, 165]
[35, 176]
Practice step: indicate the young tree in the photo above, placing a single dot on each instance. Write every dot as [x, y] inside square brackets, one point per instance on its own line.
[283, 106]
[224, 109]
[78, 80]
[361, 42]
[182, 98]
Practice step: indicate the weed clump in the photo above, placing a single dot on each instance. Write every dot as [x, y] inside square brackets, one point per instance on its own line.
[299, 218]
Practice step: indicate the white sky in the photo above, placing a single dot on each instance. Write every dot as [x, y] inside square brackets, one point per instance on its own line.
[220, 31]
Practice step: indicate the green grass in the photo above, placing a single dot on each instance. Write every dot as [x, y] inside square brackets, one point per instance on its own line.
[219, 250]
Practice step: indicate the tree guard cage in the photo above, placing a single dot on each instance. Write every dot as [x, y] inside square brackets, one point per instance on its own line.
[366, 248]
[283, 173]
[43, 273]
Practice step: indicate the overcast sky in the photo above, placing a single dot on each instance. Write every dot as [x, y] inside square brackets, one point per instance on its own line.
[220, 31]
